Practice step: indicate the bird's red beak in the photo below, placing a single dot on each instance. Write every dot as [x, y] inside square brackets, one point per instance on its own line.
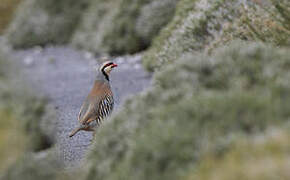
[114, 65]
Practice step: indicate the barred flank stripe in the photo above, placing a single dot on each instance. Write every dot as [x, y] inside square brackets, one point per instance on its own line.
[105, 108]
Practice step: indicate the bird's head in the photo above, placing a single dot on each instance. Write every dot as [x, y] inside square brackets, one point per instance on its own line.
[107, 67]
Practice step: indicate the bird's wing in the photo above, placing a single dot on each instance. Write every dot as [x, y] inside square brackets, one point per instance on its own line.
[95, 105]
[89, 112]
[83, 110]
[106, 106]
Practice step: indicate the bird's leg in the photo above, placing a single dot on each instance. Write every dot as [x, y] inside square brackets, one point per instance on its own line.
[94, 135]
[89, 121]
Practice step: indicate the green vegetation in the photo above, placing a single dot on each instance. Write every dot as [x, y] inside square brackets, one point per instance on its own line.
[263, 157]
[194, 26]
[122, 26]
[269, 23]
[26, 126]
[41, 22]
[12, 141]
[126, 26]
[207, 24]
[212, 113]
[32, 167]
[7, 8]
[164, 133]
[28, 112]
[114, 27]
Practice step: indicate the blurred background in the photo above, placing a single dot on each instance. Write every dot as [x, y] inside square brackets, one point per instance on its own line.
[201, 89]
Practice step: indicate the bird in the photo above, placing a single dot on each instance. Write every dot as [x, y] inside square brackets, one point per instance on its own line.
[99, 103]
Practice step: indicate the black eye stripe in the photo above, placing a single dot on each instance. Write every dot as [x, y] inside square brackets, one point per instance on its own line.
[109, 64]
[103, 69]
[106, 65]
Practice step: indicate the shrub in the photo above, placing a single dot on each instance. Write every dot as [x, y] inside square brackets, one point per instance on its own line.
[7, 8]
[262, 157]
[194, 26]
[31, 114]
[41, 22]
[207, 24]
[120, 27]
[12, 139]
[265, 22]
[44, 166]
[197, 105]
[114, 27]
[26, 123]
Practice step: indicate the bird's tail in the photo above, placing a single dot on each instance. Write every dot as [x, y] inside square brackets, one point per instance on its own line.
[76, 130]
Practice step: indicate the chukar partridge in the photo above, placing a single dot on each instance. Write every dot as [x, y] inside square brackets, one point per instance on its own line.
[99, 103]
